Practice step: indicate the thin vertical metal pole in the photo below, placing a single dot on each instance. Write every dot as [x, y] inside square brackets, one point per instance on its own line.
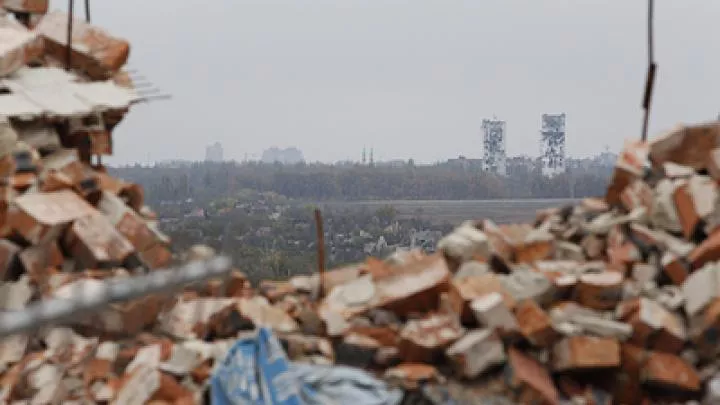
[320, 249]
[652, 70]
[87, 10]
[68, 57]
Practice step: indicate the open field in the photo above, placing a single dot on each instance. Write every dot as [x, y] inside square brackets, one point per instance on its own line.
[500, 211]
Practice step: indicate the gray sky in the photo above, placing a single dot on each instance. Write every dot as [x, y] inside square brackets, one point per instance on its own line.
[412, 78]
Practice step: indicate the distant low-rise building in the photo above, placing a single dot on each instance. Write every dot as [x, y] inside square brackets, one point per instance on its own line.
[521, 162]
[465, 163]
[392, 163]
[287, 156]
[214, 153]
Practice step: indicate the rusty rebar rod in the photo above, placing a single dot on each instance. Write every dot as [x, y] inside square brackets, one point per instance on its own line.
[320, 250]
[68, 52]
[651, 71]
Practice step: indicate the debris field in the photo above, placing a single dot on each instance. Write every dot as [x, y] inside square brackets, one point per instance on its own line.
[615, 300]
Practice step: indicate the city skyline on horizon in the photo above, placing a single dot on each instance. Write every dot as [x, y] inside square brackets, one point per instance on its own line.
[253, 158]
[552, 152]
[411, 79]
[477, 154]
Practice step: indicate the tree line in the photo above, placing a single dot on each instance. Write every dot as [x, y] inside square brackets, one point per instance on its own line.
[209, 181]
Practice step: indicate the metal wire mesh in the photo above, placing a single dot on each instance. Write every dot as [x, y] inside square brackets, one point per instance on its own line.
[112, 291]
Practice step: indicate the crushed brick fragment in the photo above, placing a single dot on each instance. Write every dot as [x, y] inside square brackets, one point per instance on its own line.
[669, 370]
[535, 324]
[586, 352]
[94, 50]
[529, 380]
[411, 375]
[476, 352]
[654, 327]
[490, 311]
[424, 340]
[600, 290]
[463, 292]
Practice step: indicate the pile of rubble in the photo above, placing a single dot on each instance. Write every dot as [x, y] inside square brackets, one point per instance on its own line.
[615, 300]
[64, 221]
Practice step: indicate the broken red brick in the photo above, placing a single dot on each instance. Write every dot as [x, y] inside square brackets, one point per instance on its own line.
[261, 313]
[202, 372]
[637, 195]
[235, 285]
[40, 217]
[414, 287]
[463, 292]
[713, 164]
[675, 268]
[669, 370]
[686, 145]
[276, 290]
[412, 375]
[8, 257]
[26, 6]
[600, 290]
[689, 218]
[627, 385]
[654, 327]
[94, 50]
[530, 252]
[156, 257]
[384, 335]
[595, 205]
[594, 247]
[623, 257]
[170, 390]
[476, 352]
[41, 261]
[707, 330]
[96, 369]
[529, 380]
[499, 243]
[424, 340]
[629, 167]
[707, 251]
[535, 324]
[586, 352]
[95, 243]
[491, 312]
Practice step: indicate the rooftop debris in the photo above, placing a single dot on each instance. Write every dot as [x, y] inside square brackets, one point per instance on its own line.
[616, 299]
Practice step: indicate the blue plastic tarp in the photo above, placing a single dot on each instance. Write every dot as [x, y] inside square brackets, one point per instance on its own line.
[326, 385]
[257, 372]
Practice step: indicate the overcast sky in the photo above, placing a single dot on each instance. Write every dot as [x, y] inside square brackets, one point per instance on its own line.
[411, 78]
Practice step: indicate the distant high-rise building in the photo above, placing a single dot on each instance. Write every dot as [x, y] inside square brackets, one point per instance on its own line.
[214, 152]
[287, 156]
[552, 144]
[372, 156]
[364, 157]
[494, 140]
